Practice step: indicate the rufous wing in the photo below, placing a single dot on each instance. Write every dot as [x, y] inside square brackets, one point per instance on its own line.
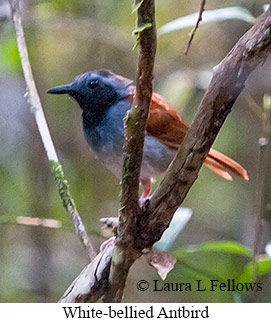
[165, 124]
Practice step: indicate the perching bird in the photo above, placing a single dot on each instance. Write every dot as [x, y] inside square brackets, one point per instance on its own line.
[104, 98]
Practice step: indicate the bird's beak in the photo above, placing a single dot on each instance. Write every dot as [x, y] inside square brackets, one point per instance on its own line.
[62, 89]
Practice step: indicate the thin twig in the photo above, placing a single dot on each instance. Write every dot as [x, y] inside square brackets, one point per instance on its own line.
[202, 6]
[36, 108]
[260, 185]
[257, 109]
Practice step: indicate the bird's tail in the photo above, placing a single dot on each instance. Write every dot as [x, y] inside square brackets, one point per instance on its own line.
[221, 164]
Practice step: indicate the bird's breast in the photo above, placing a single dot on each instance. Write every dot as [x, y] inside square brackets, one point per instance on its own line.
[107, 138]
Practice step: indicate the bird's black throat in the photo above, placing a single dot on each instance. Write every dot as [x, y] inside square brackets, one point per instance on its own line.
[93, 114]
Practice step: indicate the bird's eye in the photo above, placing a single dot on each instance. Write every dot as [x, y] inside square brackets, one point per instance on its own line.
[93, 84]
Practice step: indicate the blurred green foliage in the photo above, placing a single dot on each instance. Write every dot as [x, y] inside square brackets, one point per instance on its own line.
[9, 53]
[66, 38]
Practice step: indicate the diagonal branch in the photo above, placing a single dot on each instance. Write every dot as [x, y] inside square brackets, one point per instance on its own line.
[227, 83]
[36, 108]
[92, 283]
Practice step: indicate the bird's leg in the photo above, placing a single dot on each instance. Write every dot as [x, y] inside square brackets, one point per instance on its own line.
[146, 190]
[146, 183]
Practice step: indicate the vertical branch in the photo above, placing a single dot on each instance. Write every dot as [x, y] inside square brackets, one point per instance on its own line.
[135, 124]
[261, 175]
[36, 108]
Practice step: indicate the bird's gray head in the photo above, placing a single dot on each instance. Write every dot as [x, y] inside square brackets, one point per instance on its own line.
[96, 90]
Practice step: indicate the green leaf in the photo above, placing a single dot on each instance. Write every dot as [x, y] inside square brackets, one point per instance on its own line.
[215, 246]
[208, 16]
[199, 271]
[177, 224]
[263, 267]
[136, 5]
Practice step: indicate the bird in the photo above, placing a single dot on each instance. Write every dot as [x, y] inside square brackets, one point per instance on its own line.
[104, 98]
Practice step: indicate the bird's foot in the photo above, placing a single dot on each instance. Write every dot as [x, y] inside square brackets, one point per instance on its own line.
[143, 200]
